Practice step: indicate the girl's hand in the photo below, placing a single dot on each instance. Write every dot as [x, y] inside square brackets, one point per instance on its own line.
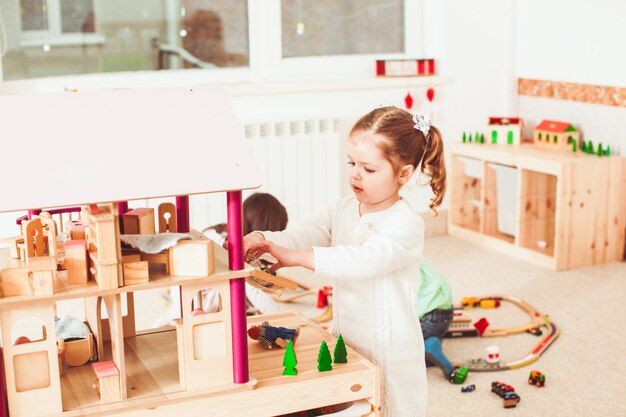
[248, 240]
[284, 256]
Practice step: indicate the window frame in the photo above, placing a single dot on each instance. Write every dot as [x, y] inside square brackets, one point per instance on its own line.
[54, 35]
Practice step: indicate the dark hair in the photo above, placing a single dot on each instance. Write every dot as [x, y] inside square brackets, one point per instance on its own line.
[403, 144]
[263, 211]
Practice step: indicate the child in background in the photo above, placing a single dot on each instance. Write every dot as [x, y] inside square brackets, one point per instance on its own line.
[370, 244]
[435, 311]
[261, 211]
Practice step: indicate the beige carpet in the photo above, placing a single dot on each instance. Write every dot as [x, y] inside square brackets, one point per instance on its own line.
[585, 368]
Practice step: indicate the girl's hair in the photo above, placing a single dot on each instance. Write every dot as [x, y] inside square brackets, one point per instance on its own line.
[263, 211]
[403, 144]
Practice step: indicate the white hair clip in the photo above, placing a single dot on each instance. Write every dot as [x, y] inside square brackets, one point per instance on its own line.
[422, 123]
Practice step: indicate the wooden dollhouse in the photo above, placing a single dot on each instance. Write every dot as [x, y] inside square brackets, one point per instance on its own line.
[91, 153]
[504, 130]
[554, 135]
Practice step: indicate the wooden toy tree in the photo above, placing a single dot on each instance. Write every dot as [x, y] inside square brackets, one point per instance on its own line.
[289, 360]
[324, 361]
[340, 354]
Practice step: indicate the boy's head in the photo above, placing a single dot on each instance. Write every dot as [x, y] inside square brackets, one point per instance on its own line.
[263, 211]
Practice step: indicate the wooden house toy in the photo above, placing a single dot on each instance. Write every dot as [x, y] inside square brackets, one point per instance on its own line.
[555, 135]
[200, 364]
[504, 130]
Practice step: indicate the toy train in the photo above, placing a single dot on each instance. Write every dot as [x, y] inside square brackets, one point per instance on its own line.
[507, 393]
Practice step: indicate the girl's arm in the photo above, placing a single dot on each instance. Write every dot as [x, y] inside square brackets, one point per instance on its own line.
[390, 246]
[314, 232]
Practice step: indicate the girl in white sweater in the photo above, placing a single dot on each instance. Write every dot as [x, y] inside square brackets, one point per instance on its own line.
[370, 245]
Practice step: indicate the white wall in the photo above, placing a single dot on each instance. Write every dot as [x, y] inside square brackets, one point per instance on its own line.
[579, 41]
[576, 41]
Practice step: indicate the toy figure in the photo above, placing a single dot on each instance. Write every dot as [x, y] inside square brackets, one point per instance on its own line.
[269, 336]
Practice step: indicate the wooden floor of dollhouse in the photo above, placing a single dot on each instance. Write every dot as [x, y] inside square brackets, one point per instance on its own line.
[152, 377]
[151, 366]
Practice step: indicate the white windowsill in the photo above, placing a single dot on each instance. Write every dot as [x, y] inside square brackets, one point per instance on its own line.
[74, 39]
[330, 84]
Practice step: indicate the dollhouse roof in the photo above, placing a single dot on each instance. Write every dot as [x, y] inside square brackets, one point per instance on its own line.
[504, 121]
[556, 127]
[64, 149]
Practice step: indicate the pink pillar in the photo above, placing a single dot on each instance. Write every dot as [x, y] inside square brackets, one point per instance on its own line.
[237, 288]
[122, 207]
[32, 213]
[182, 213]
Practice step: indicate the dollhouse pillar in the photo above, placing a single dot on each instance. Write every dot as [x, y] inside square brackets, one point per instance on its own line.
[237, 287]
[182, 213]
[122, 207]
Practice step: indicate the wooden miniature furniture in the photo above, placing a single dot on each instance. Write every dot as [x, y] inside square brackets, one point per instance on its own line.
[227, 380]
[139, 221]
[569, 209]
[108, 381]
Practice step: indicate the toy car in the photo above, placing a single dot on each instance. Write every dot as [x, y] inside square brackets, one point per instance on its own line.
[507, 393]
[537, 378]
[468, 388]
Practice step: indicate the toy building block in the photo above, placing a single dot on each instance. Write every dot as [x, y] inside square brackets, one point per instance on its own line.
[503, 130]
[108, 383]
[41, 272]
[289, 360]
[555, 135]
[193, 257]
[167, 218]
[135, 270]
[340, 355]
[139, 221]
[324, 361]
[481, 325]
[76, 261]
[75, 228]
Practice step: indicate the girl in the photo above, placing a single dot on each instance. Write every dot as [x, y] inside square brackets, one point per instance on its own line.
[370, 244]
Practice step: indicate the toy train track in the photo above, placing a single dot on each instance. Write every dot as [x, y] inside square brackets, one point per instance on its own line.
[462, 328]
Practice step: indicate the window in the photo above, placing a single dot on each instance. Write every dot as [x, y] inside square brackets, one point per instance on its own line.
[348, 27]
[235, 37]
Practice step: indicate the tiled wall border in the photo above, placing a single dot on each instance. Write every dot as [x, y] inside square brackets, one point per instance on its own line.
[584, 93]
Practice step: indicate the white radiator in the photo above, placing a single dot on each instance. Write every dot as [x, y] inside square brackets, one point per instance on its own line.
[301, 165]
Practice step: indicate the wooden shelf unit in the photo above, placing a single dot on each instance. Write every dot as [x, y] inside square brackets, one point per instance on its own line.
[570, 208]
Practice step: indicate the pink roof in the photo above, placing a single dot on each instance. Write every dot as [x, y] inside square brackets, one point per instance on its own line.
[552, 126]
[105, 369]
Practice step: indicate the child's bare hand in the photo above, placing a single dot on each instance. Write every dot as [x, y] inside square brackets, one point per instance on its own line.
[248, 240]
[284, 256]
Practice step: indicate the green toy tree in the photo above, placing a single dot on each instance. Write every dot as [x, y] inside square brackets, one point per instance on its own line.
[608, 151]
[464, 137]
[289, 360]
[470, 138]
[599, 152]
[583, 146]
[324, 361]
[340, 354]
[590, 148]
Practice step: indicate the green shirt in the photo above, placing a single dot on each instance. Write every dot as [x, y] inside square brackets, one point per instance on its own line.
[434, 291]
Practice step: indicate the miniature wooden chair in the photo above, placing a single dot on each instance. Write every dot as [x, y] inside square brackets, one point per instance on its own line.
[33, 245]
[167, 218]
